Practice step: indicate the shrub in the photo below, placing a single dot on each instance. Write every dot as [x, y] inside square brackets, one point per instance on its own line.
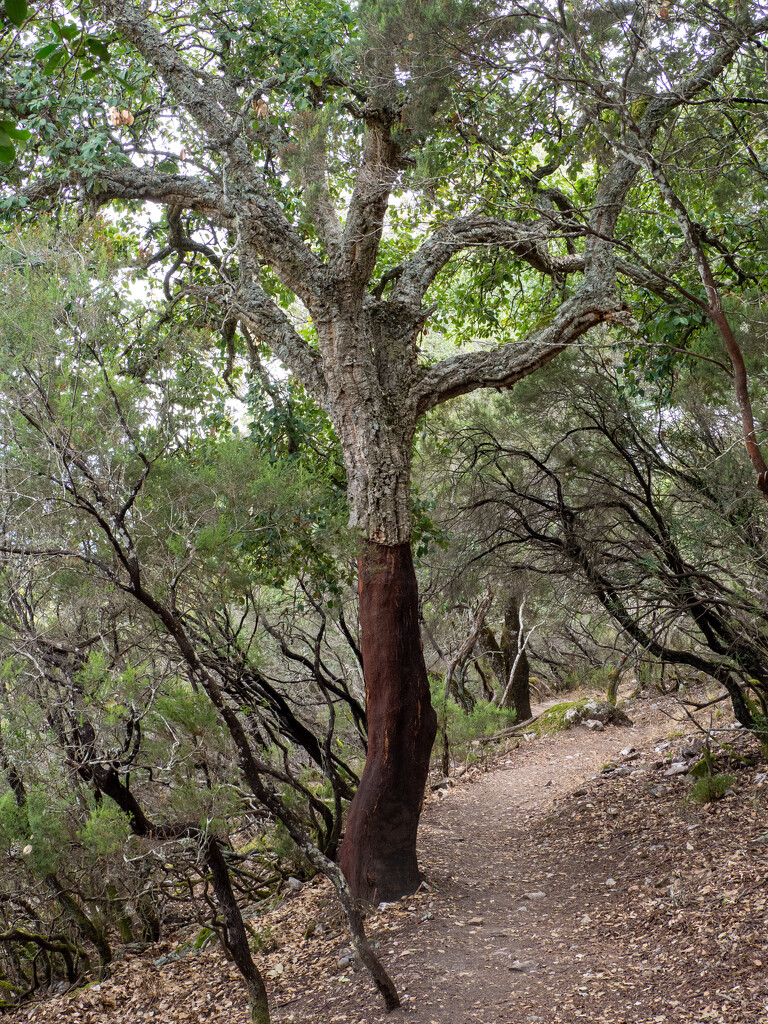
[463, 727]
[711, 787]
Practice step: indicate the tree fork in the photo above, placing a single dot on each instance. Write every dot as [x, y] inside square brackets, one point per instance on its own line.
[378, 854]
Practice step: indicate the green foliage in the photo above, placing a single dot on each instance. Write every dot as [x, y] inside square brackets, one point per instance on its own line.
[711, 787]
[463, 728]
[14, 823]
[49, 829]
[188, 709]
[105, 832]
[16, 11]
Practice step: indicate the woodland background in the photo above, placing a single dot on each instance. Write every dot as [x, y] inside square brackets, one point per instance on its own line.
[290, 294]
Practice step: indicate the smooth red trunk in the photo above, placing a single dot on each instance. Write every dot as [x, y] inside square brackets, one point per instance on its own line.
[378, 855]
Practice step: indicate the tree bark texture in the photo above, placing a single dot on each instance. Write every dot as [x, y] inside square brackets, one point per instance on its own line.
[518, 691]
[378, 854]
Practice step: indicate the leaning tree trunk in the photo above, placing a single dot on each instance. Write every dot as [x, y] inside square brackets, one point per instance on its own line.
[517, 693]
[378, 855]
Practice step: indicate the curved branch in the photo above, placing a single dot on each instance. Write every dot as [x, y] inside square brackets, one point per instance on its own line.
[526, 239]
[505, 365]
[277, 240]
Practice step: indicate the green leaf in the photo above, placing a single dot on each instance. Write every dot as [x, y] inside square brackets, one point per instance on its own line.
[17, 12]
[54, 62]
[7, 154]
[65, 31]
[98, 47]
[15, 133]
[46, 51]
[91, 73]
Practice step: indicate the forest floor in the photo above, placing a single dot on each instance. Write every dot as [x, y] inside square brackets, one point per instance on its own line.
[559, 889]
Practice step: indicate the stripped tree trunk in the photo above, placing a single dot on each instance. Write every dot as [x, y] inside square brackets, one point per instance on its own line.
[378, 855]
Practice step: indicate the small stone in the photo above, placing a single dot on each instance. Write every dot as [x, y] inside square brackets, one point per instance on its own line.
[383, 906]
[679, 768]
[627, 751]
[475, 922]
[523, 965]
[295, 883]
[442, 784]
[610, 881]
[693, 748]
[345, 961]
[580, 792]
[534, 895]
[593, 725]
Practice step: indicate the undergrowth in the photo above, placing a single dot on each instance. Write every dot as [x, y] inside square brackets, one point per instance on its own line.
[464, 727]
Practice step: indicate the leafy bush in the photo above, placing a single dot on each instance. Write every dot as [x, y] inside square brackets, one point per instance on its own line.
[463, 727]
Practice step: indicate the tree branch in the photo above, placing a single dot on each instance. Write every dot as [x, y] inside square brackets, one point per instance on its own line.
[276, 239]
[527, 240]
[503, 366]
[368, 205]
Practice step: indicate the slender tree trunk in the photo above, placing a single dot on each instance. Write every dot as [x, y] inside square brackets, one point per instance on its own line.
[88, 928]
[378, 854]
[517, 693]
[236, 937]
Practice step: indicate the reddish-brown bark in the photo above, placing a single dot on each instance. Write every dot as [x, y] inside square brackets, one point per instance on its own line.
[378, 855]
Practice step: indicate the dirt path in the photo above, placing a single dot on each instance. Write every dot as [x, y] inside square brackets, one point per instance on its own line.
[562, 893]
[499, 946]
[557, 893]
